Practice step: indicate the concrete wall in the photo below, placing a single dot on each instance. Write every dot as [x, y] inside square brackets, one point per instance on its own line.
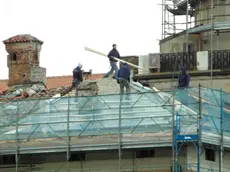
[192, 159]
[175, 45]
[221, 42]
[108, 161]
[218, 83]
[220, 12]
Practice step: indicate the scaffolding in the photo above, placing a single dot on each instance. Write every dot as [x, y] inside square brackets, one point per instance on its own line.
[107, 122]
[173, 13]
[202, 17]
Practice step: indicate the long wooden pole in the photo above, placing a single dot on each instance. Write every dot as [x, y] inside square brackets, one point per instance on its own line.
[122, 61]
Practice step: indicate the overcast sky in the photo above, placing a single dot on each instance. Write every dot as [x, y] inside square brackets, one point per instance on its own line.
[66, 26]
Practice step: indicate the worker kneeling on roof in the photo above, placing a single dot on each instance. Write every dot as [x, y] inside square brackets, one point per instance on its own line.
[183, 83]
[183, 79]
[124, 80]
[77, 79]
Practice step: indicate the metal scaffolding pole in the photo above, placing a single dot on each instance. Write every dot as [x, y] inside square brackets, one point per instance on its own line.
[119, 138]
[17, 141]
[217, 32]
[164, 16]
[162, 19]
[173, 134]
[68, 137]
[186, 36]
[168, 23]
[174, 18]
[221, 150]
[211, 48]
[199, 130]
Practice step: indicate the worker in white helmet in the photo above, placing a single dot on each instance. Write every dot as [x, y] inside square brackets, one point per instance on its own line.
[77, 79]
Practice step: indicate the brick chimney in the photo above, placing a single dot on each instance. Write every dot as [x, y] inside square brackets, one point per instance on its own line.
[23, 60]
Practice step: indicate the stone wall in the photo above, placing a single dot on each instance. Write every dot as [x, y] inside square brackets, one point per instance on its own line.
[27, 46]
[19, 74]
[38, 75]
[23, 63]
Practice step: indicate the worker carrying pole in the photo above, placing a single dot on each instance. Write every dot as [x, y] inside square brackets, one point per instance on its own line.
[113, 62]
[122, 61]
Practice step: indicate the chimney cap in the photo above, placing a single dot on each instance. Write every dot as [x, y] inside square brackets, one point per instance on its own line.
[22, 39]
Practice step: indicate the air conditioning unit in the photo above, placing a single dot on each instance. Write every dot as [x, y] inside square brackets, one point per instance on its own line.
[154, 61]
[151, 61]
[202, 60]
[143, 62]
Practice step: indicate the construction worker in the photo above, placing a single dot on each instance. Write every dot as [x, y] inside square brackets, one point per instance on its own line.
[183, 84]
[77, 79]
[113, 62]
[124, 80]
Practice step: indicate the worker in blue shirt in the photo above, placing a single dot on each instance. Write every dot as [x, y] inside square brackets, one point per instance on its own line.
[183, 84]
[124, 80]
[183, 79]
[113, 62]
[77, 79]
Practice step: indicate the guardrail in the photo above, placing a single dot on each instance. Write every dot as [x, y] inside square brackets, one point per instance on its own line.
[173, 61]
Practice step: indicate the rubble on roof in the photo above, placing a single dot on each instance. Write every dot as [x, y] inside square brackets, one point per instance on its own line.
[108, 86]
[86, 88]
[36, 91]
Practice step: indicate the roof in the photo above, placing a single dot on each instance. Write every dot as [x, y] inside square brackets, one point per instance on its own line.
[168, 38]
[55, 81]
[22, 38]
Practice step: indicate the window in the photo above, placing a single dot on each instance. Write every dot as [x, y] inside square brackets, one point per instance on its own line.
[14, 57]
[145, 153]
[190, 47]
[209, 154]
[36, 55]
[7, 159]
[76, 156]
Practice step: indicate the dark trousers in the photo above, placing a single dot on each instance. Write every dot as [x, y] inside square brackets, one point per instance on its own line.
[124, 84]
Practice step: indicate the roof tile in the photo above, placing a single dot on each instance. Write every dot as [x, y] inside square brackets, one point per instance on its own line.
[22, 38]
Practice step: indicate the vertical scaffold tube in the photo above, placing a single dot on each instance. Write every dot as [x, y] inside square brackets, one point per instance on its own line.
[68, 138]
[211, 49]
[221, 150]
[173, 131]
[186, 35]
[16, 137]
[120, 133]
[199, 129]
